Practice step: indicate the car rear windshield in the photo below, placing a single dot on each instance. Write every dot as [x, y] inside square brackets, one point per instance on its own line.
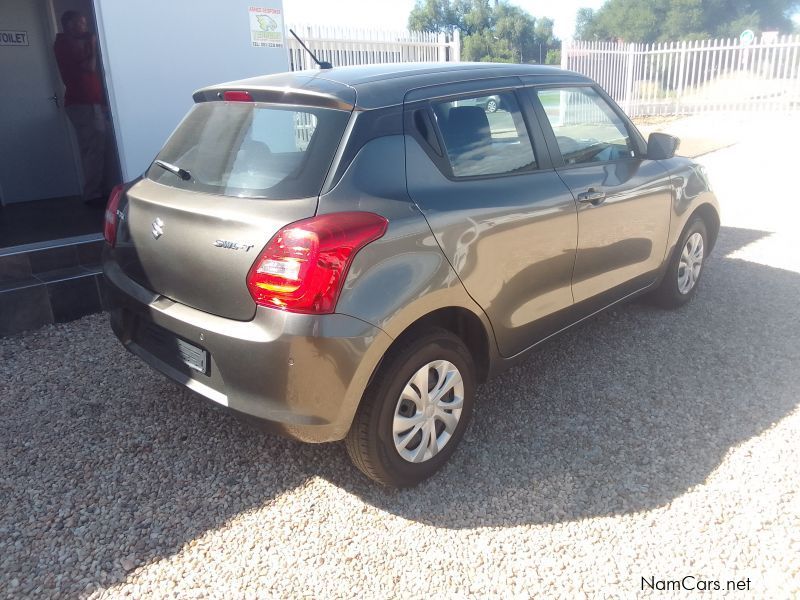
[253, 150]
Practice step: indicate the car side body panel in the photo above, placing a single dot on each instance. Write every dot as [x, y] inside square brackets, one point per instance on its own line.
[625, 236]
[404, 276]
[510, 239]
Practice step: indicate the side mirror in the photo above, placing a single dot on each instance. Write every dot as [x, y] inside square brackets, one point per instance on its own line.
[661, 146]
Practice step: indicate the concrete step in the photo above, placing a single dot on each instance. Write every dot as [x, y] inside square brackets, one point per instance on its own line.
[50, 282]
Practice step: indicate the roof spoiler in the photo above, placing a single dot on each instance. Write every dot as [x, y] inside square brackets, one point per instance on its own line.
[278, 95]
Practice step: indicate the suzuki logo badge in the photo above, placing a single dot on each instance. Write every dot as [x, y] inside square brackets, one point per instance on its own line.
[158, 228]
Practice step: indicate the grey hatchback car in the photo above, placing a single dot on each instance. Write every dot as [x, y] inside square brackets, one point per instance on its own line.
[347, 253]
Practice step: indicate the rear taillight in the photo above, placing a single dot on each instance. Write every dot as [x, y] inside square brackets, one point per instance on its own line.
[304, 265]
[112, 215]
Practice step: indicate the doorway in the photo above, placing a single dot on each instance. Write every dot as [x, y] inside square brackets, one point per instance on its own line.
[40, 163]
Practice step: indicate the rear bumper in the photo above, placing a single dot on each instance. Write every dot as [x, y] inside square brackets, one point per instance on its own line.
[300, 375]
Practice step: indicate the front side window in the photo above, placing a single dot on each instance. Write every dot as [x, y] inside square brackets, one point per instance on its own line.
[252, 150]
[485, 135]
[586, 128]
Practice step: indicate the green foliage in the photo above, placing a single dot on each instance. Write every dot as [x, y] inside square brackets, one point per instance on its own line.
[666, 20]
[483, 47]
[553, 57]
[431, 15]
[490, 31]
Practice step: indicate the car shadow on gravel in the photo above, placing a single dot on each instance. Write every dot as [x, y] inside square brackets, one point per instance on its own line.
[105, 466]
[623, 413]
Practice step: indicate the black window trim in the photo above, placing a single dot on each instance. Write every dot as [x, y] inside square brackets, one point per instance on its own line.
[535, 135]
[363, 127]
[639, 146]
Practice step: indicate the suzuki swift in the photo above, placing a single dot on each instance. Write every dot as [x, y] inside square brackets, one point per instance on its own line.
[346, 253]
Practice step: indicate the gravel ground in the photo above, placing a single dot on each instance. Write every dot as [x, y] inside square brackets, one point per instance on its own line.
[641, 444]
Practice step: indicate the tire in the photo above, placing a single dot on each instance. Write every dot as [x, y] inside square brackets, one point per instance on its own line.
[491, 105]
[672, 291]
[372, 442]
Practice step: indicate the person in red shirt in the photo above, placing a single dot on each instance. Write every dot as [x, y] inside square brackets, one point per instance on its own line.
[84, 99]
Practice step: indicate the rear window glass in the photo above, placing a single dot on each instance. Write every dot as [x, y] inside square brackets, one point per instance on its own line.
[253, 150]
[485, 135]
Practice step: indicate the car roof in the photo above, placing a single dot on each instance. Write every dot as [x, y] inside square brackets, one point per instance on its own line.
[378, 85]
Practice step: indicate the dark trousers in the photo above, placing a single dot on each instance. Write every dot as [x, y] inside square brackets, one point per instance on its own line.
[91, 128]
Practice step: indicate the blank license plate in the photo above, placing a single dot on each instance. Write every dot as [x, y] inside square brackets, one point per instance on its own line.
[192, 356]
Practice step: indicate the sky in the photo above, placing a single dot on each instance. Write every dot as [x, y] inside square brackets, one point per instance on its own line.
[393, 14]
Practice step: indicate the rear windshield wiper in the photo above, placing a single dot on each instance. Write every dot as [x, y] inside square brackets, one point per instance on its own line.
[174, 169]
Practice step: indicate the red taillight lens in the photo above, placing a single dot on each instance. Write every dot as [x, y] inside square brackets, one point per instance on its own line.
[304, 265]
[112, 208]
[237, 96]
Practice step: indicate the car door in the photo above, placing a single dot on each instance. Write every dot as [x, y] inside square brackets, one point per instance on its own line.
[624, 200]
[502, 216]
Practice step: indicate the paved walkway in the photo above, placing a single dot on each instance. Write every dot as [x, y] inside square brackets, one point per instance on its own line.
[705, 133]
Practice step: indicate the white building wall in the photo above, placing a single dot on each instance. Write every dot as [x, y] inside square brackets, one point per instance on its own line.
[157, 53]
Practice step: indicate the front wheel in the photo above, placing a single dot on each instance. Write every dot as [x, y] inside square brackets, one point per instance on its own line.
[491, 105]
[415, 411]
[685, 267]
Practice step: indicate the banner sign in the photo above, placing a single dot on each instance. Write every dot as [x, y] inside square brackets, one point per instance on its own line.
[266, 27]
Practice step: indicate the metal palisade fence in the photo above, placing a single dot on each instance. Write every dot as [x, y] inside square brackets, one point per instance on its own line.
[343, 46]
[695, 76]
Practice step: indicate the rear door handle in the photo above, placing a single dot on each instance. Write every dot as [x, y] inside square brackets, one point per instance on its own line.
[592, 196]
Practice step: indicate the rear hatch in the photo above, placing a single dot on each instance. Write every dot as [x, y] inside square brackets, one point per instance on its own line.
[231, 175]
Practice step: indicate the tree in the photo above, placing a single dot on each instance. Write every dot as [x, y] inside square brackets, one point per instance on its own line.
[490, 31]
[583, 23]
[666, 20]
[553, 57]
[432, 15]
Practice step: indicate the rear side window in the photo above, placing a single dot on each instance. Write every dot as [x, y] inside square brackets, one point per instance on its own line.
[485, 135]
[586, 127]
[252, 150]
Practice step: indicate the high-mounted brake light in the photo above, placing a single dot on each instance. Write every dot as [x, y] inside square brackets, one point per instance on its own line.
[237, 96]
[112, 215]
[304, 265]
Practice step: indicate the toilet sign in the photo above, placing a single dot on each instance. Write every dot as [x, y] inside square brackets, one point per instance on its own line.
[266, 27]
[14, 38]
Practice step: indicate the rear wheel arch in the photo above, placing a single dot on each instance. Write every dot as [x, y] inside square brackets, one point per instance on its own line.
[463, 323]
